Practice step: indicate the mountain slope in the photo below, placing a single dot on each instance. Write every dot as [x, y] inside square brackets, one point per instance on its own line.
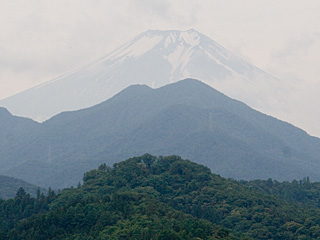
[14, 135]
[154, 58]
[9, 187]
[187, 118]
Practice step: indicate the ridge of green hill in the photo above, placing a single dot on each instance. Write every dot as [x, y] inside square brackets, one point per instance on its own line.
[151, 197]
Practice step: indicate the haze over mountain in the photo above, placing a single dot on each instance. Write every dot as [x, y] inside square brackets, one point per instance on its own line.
[154, 58]
[9, 186]
[187, 118]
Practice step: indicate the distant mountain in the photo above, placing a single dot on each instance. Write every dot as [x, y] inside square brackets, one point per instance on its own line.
[187, 118]
[154, 58]
[9, 186]
[14, 135]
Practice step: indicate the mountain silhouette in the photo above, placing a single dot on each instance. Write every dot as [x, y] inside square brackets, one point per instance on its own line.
[187, 118]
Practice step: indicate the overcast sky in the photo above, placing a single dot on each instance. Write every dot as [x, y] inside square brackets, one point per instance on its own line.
[43, 39]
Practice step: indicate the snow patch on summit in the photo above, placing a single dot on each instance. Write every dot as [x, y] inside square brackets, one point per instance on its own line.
[181, 55]
[178, 59]
[144, 45]
[191, 37]
[137, 48]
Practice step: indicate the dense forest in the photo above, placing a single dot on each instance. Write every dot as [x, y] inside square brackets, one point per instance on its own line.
[151, 197]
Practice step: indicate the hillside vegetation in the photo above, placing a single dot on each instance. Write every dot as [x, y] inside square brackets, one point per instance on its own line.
[161, 198]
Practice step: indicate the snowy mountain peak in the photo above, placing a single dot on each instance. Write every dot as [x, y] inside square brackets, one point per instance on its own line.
[189, 37]
[178, 48]
[154, 58]
[156, 38]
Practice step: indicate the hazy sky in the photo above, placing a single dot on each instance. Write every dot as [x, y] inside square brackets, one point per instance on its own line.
[42, 39]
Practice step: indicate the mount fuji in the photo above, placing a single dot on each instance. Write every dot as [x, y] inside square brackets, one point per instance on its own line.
[154, 58]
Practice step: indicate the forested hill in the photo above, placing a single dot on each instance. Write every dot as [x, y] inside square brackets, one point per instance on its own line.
[9, 187]
[158, 198]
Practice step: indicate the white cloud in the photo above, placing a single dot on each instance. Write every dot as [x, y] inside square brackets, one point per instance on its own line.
[298, 58]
